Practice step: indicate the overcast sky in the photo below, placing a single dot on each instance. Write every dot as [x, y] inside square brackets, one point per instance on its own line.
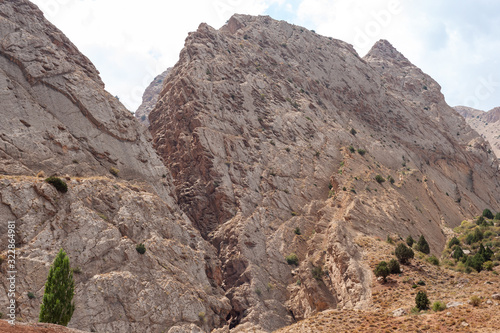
[457, 42]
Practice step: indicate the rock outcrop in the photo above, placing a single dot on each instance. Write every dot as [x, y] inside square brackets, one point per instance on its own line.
[150, 97]
[57, 119]
[487, 124]
[274, 136]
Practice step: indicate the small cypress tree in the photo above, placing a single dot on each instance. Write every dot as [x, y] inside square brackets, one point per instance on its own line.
[403, 253]
[453, 241]
[457, 252]
[422, 301]
[56, 307]
[423, 246]
[410, 241]
[394, 267]
[487, 213]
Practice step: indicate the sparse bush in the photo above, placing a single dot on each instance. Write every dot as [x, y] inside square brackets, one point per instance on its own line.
[389, 240]
[297, 231]
[404, 253]
[394, 267]
[422, 245]
[382, 270]
[433, 260]
[114, 171]
[140, 248]
[475, 300]
[410, 241]
[390, 179]
[497, 216]
[353, 131]
[379, 179]
[351, 149]
[292, 259]
[58, 183]
[421, 283]
[31, 295]
[201, 316]
[421, 300]
[258, 291]
[361, 152]
[453, 241]
[488, 214]
[438, 306]
[480, 220]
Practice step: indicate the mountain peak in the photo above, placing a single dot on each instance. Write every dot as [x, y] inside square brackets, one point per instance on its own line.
[383, 49]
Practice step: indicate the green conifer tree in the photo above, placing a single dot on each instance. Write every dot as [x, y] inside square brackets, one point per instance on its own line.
[57, 307]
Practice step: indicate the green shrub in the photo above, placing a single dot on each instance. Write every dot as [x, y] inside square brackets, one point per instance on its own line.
[361, 152]
[390, 179]
[488, 266]
[31, 295]
[297, 231]
[292, 259]
[114, 171]
[476, 262]
[394, 267]
[351, 149]
[410, 241]
[317, 272]
[421, 283]
[433, 260]
[140, 248]
[488, 214]
[475, 301]
[58, 183]
[438, 306]
[421, 300]
[404, 253]
[389, 240]
[453, 241]
[497, 216]
[1, 315]
[422, 245]
[353, 131]
[379, 179]
[382, 270]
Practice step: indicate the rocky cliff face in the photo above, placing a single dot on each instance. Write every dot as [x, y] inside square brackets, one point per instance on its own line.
[274, 135]
[57, 116]
[485, 123]
[150, 97]
[58, 119]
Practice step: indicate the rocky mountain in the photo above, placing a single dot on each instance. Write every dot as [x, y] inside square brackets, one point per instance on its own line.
[487, 124]
[278, 148]
[150, 97]
[284, 143]
[58, 120]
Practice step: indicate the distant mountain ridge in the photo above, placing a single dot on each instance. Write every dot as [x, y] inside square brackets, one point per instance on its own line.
[487, 124]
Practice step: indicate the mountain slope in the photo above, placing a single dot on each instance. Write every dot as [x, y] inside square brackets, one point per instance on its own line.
[487, 124]
[57, 119]
[274, 136]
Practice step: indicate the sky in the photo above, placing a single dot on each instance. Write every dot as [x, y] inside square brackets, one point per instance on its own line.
[457, 42]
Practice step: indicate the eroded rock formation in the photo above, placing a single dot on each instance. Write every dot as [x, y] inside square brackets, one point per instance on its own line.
[150, 97]
[274, 135]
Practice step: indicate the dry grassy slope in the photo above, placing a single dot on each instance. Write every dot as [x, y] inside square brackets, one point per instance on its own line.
[255, 123]
[440, 284]
[487, 124]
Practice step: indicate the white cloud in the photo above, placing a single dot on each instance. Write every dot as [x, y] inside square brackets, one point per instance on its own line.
[130, 42]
